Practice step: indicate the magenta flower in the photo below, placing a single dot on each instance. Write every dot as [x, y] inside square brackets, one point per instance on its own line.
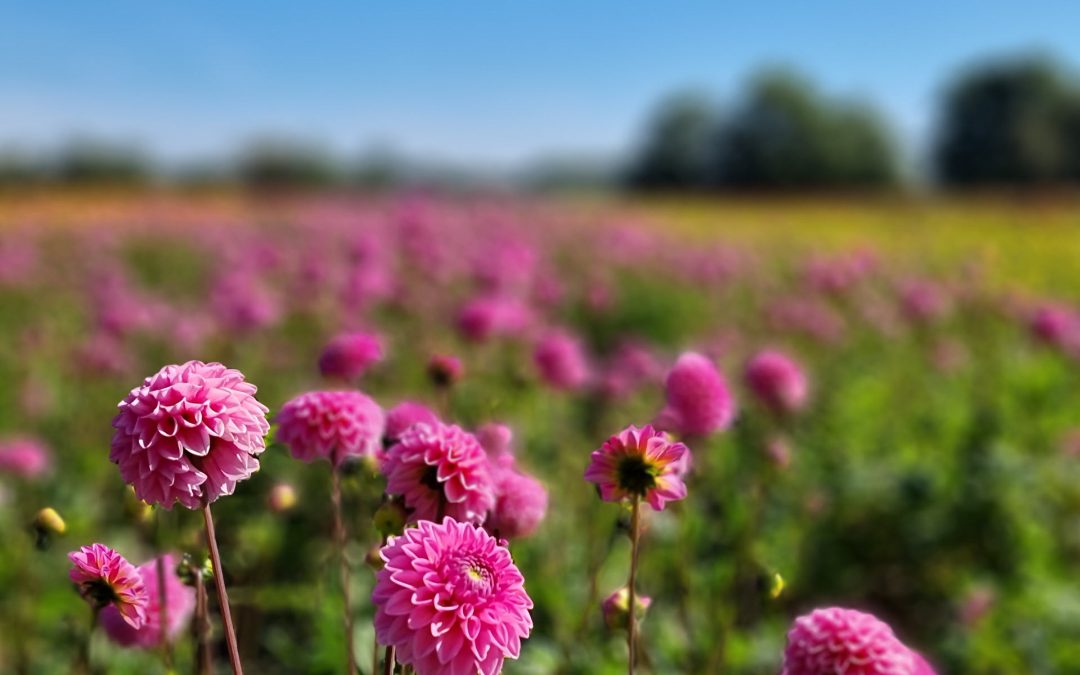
[24, 457]
[520, 501]
[348, 356]
[404, 415]
[838, 640]
[560, 358]
[698, 399]
[178, 607]
[451, 600]
[778, 381]
[489, 316]
[105, 578]
[332, 425]
[1056, 325]
[496, 439]
[189, 434]
[640, 463]
[445, 370]
[440, 470]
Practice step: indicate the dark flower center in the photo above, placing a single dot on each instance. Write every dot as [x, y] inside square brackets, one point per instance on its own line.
[431, 479]
[636, 476]
[98, 593]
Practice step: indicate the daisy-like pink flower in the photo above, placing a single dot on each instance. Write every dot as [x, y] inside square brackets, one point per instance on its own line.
[440, 470]
[451, 600]
[178, 607]
[105, 578]
[349, 355]
[189, 434]
[778, 381]
[838, 640]
[698, 399]
[332, 425]
[640, 463]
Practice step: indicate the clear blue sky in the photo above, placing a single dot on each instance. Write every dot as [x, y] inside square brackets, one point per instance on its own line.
[495, 81]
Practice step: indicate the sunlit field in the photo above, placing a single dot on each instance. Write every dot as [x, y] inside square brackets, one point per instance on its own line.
[928, 471]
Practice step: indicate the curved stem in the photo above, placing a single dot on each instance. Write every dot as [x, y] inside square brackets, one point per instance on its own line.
[340, 541]
[200, 628]
[223, 595]
[389, 661]
[163, 604]
[631, 621]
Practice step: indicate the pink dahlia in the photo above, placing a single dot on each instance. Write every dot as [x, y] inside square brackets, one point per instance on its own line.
[1055, 324]
[488, 316]
[189, 434]
[520, 501]
[440, 470]
[640, 463]
[838, 640]
[176, 610]
[778, 381]
[332, 425]
[698, 399]
[497, 440]
[451, 600]
[404, 415]
[444, 370]
[24, 457]
[560, 358]
[348, 356]
[105, 578]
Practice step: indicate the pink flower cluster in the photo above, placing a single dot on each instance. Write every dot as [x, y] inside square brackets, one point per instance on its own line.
[332, 425]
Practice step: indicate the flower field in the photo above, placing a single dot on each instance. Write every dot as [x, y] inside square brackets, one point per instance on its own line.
[753, 410]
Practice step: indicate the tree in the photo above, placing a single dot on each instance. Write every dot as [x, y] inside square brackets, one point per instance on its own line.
[678, 142]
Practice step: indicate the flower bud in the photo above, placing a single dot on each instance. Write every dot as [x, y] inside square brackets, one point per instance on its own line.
[282, 498]
[616, 605]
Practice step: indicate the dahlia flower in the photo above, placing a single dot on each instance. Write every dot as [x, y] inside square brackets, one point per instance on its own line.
[451, 600]
[496, 439]
[520, 501]
[444, 370]
[560, 358]
[189, 434]
[332, 425]
[838, 640]
[404, 415]
[639, 463]
[485, 317]
[440, 470]
[105, 578]
[178, 607]
[349, 355]
[778, 381]
[24, 457]
[698, 399]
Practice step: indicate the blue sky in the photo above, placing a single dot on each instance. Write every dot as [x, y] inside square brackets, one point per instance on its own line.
[491, 81]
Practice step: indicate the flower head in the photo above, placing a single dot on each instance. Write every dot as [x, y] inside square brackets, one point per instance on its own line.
[520, 501]
[404, 415]
[451, 600]
[105, 578]
[698, 399]
[176, 610]
[640, 463]
[24, 457]
[332, 425]
[560, 358]
[838, 640]
[349, 355]
[778, 381]
[445, 370]
[189, 434]
[440, 469]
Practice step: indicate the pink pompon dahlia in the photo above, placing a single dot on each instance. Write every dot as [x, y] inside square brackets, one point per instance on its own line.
[349, 355]
[560, 359]
[451, 600]
[640, 463]
[440, 470]
[404, 415]
[698, 399]
[189, 434]
[838, 640]
[520, 501]
[105, 578]
[778, 381]
[24, 457]
[176, 610]
[332, 425]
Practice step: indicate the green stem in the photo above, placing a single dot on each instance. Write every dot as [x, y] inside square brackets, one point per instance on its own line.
[340, 541]
[222, 593]
[631, 621]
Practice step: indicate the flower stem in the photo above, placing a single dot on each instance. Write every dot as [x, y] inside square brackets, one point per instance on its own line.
[340, 541]
[163, 604]
[631, 622]
[200, 628]
[223, 595]
[389, 661]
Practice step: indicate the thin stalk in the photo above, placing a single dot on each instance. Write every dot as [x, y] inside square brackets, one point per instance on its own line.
[631, 621]
[389, 661]
[340, 541]
[223, 595]
[82, 658]
[163, 609]
[200, 628]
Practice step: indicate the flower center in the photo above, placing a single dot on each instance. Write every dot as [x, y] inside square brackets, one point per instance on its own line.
[99, 593]
[635, 475]
[474, 579]
[431, 479]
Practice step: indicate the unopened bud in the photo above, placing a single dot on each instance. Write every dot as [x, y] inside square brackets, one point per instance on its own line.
[616, 606]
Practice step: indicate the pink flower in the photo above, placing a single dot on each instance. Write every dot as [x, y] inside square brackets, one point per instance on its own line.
[640, 463]
[496, 439]
[838, 640]
[616, 606]
[404, 415]
[332, 425]
[1055, 325]
[778, 381]
[560, 358]
[924, 301]
[444, 370]
[178, 607]
[698, 399]
[105, 578]
[24, 457]
[486, 316]
[451, 600]
[189, 434]
[348, 356]
[440, 470]
[242, 302]
[520, 501]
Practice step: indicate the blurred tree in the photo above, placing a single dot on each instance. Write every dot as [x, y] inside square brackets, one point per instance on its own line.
[93, 161]
[677, 147]
[1008, 123]
[276, 163]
